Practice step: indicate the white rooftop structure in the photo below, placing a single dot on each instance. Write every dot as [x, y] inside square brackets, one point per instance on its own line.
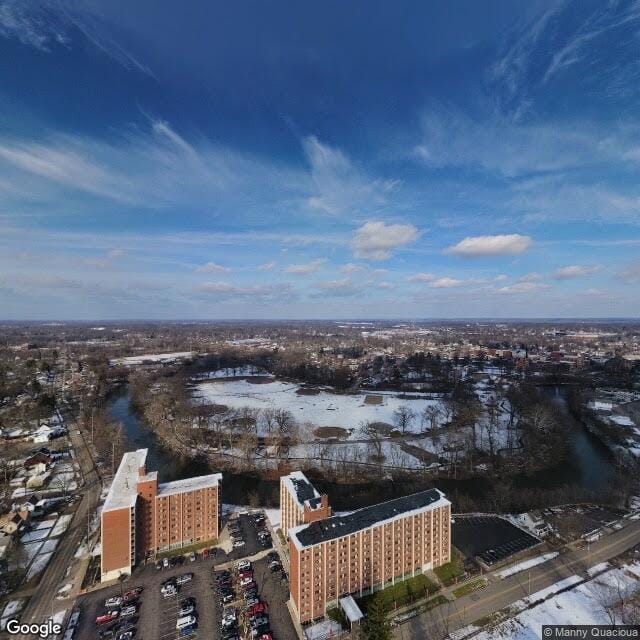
[124, 488]
[189, 484]
[351, 609]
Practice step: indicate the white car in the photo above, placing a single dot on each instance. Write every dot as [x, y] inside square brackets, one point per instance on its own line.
[243, 565]
[130, 610]
[245, 581]
[185, 621]
[116, 601]
[238, 543]
[169, 592]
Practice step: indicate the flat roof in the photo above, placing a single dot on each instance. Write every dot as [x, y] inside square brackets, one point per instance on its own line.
[302, 489]
[351, 609]
[124, 488]
[343, 525]
[189, 484]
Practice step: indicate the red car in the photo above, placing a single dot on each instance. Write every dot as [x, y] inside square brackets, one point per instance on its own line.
[105, 618]
[266, 636]
[245, 574]
[255, 609]
[250, 585]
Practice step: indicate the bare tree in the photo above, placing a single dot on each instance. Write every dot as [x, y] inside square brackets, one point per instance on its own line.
[403, 418]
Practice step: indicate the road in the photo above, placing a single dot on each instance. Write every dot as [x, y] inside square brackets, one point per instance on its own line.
[498, 595]
[41, 603]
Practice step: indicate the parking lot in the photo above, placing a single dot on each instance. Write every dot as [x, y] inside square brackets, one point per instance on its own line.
[489, 538]
[156, 616]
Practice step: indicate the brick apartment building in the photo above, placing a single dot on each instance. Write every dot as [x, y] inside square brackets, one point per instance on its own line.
[366, 550]
[300, 503]
[141, 517]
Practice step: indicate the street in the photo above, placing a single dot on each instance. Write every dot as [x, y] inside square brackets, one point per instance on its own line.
[42, 603]
[496, 596]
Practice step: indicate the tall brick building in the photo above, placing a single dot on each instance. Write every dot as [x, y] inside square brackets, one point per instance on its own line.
[141, 517]
[300, 503]
[367, 550]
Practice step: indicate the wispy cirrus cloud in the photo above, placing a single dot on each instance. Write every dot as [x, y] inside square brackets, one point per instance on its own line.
[338, 186]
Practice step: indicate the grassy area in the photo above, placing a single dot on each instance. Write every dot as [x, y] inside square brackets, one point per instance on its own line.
[188, 549]
[469, 587]
[402, 593]
[452, 570]
[434, 602]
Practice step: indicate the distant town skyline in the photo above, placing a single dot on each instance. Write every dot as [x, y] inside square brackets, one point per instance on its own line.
[421, 160]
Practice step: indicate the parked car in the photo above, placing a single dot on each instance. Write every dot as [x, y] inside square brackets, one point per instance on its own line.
[246, 586]
[165, 563]
[260, 631]
[126, 635]
[266, 636]
[243, 565]
[274, 567]
[255, 609]
[258, 621]
[170, 592]
[247, 573]
[158, 564]
[186, 610]
[107, 617]
[115, 601]
[129, 610]
[192, 557]
[246, 581]
[185, 621]
[184, 578]
[227, 597]
[238, 543]
[187, 631]
[191, 601]
[249, 602]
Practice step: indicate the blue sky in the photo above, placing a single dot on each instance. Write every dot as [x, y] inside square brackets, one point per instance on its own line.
[295, 159]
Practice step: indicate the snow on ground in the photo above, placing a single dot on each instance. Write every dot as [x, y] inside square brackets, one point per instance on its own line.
[61, 525]
[527, 564]
[585, 604]
[12, 607]
[31, 551]
[36, 534]
[39, 565]
[324, 409]
[49, 545]
[45, 524]
[322, 630]
[622, 421]
[233, 372]
[153, 357]
[598, 568]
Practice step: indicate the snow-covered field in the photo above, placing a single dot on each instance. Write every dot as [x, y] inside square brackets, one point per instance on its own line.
[152, 357]
[326, 409]
[233, 372]
[589, 603]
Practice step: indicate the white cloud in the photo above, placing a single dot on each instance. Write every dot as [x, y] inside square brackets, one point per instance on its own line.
[522, 287]
[304, 269]
[422, 277]
[631, 273]
[226, 290]
[350, 267]
[533, 276]
[484, 246]
[212, 267]
[446, 283]
[385, 285]
[267, 266]
[377, 240]
[574, 271]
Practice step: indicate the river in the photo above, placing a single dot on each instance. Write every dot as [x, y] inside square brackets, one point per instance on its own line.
[590, 466]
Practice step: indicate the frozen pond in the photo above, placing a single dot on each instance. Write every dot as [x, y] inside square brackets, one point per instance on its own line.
[324, 409]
